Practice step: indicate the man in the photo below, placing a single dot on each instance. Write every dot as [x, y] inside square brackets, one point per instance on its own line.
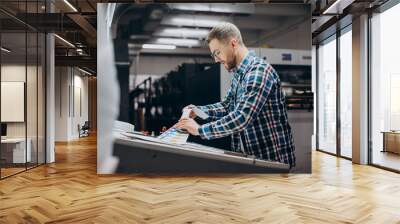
[254, 110]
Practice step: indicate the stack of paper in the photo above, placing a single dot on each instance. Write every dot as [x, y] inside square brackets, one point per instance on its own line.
[174, 135]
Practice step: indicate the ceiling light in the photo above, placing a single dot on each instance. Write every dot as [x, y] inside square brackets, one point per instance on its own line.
[159, 46]
[5, 50]
[70, 5]
[214, 7]
[195, 20]
[84, 71]
[178, 42]
[139, 37]
[182, 32]
[338, 6]
[65, 41]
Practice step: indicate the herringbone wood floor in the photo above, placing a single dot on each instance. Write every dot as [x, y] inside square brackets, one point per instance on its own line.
[70, 191]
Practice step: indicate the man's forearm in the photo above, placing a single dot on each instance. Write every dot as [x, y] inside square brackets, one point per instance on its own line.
[214, 111]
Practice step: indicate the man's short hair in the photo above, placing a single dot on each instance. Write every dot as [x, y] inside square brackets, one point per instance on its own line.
[223, 32]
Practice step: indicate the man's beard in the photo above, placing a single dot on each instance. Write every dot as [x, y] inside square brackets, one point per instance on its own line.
[231, 63]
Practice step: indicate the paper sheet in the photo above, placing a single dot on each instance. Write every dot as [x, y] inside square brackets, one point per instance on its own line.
[174, 135]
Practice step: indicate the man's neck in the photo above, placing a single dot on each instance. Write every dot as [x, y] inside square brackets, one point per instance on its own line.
[242, 52]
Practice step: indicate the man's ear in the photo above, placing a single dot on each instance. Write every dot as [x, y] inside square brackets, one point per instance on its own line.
[234, 42]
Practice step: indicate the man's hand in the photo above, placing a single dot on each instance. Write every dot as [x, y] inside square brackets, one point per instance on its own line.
[189, 125]
[192, 114]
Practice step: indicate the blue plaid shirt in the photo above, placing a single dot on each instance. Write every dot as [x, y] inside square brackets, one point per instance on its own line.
[254, 111]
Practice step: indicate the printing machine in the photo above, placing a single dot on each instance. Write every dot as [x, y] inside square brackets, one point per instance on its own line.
[138, 153]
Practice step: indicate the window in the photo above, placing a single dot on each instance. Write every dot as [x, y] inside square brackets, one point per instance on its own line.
[385, 89]
[327, 96]
[329, 132]
[22, 77]
[346, 93]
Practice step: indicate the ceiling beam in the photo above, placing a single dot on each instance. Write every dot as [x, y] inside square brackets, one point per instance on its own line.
[84, 61]
[80, 20]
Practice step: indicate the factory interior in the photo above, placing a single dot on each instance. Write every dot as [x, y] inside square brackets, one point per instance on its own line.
[80, 77]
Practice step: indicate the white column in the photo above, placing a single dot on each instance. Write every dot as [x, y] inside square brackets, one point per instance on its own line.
[50, 99]
[314, 90]
[107, 91]
[360, 90]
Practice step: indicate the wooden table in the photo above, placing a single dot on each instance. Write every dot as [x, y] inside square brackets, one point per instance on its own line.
[13, 150]
[391, 141]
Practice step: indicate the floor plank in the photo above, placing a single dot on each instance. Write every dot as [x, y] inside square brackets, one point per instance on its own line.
[70, 191]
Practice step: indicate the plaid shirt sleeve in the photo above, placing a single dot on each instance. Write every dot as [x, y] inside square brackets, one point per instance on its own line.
[218, 110]
[258, 85]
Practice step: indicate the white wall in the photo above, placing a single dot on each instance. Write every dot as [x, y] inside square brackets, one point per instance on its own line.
[82, 82]
[61, 103]
[299, 37]
[70, 83]
[16, 72]
[33, 126]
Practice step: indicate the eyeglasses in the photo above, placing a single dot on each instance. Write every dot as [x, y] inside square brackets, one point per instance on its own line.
[216, 54]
